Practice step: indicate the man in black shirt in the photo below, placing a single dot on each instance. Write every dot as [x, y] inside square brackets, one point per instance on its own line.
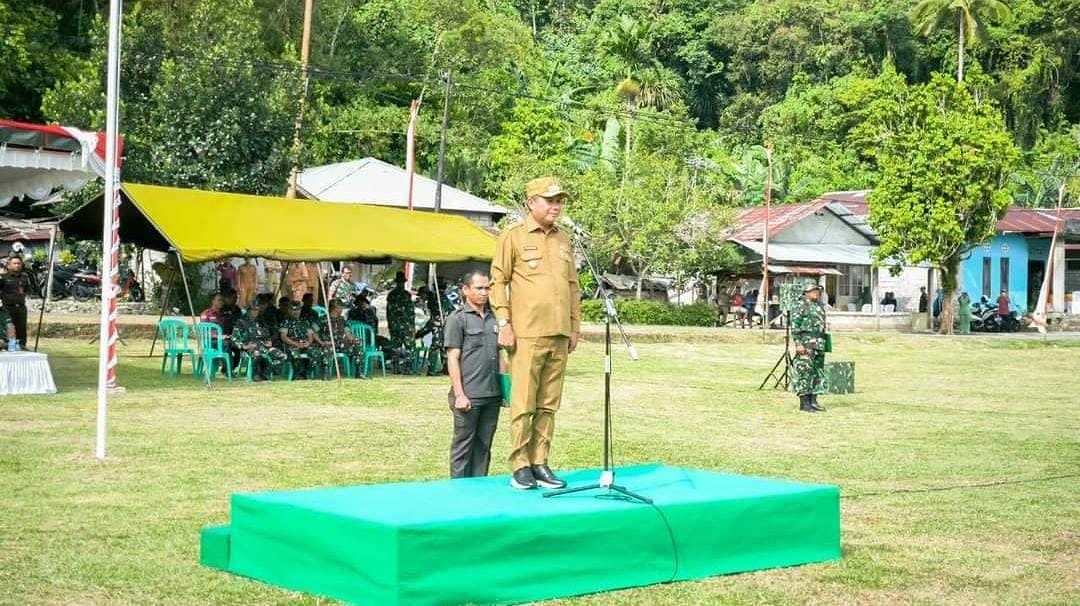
[14, 285]
[472, 343]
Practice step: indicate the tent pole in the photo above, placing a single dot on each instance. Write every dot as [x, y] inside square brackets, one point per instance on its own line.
[164, 303]
[281, 280]
[48, 287]
[329, 324]
[187, 291]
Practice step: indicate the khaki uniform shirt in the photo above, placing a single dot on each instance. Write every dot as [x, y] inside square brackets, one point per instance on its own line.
[534, 281]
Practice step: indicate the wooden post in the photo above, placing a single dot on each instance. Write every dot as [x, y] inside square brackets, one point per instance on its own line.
[305, 52]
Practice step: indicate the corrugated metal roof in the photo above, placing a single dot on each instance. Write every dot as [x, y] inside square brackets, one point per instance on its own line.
[750, 224]
[372, 181]
[1027, 221]
[836, 254]
[1016, 220]
[802, 270]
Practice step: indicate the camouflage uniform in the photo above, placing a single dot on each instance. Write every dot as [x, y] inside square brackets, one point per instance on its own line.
[342, 291]
[252, 336]
[401, 318]
[354, 350]
[808, 330]
[298, 330]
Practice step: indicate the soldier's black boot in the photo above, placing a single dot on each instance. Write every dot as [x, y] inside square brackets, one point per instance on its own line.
[814, 404]
[804, 404]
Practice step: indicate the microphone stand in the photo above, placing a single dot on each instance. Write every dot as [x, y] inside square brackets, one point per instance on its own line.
[607, 476]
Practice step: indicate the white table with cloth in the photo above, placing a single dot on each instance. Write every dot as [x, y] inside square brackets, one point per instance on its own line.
[25, 372]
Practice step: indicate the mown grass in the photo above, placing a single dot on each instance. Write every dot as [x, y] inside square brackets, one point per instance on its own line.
[932, 417]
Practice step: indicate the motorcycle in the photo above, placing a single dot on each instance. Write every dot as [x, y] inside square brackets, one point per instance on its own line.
[73, 281]
[131, 289]
[985, 318]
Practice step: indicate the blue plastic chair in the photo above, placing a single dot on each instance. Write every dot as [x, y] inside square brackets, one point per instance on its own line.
[175, 334]
[211, 351]
[319, 309]
[366, 335]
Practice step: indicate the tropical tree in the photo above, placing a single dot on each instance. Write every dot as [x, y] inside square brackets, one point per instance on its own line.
[944, 161]
[970, 16]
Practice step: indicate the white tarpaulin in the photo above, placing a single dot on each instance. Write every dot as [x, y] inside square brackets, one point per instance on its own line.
[38, 159]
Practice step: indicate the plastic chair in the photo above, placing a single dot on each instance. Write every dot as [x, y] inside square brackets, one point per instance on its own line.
[175, 334]
[211, 351]
[246, 365]
[345, 362]
[371, 350]
[319, 309]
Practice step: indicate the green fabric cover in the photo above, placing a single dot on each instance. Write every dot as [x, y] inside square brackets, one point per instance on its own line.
[839, 377]
[476, 540]
[214, 547]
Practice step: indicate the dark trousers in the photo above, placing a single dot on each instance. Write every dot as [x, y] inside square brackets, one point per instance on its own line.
[470, 449]
[18, 318]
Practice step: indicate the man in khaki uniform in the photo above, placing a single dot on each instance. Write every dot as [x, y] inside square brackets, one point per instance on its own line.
[537, 301]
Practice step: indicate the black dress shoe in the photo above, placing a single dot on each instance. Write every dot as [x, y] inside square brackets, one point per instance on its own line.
[523, 479]
[814, 404]
[545, 478]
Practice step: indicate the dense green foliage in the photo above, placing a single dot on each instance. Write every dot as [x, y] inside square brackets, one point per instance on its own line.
[654, 313]
[655, 114]
[944, 163]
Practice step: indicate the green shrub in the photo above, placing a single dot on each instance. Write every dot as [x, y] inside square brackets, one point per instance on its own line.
[658, 313]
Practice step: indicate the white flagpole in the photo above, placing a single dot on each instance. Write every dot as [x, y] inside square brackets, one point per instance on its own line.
[112, 99]
[410, 168]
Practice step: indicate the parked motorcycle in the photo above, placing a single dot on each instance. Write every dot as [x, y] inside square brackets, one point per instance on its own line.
[72, 281]
[985, 318]
[130, 288]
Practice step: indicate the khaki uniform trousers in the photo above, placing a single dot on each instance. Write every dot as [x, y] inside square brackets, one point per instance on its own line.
[537, 368]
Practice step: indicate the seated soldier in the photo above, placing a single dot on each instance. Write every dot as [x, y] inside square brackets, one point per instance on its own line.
[254, 335]
[299, 340]
[344, 341]
[307, 309]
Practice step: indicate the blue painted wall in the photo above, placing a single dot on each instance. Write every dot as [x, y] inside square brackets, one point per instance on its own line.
[1012, 246]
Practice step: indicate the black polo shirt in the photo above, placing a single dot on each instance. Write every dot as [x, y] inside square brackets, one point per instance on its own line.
[477, 336]
[14, 288]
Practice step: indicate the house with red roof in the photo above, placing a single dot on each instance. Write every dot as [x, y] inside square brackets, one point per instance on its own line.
[830, 239]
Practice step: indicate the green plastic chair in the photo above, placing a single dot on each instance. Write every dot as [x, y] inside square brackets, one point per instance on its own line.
[366, 335]
[319, 309]
[246, 365]
[175, 333]
[345, 362]
[211, 351]
[312, 370]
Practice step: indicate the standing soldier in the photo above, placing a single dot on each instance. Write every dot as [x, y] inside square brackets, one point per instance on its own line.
[401, 319]
[537, 301]
[808, 332]
[254, 334]
[341, 289]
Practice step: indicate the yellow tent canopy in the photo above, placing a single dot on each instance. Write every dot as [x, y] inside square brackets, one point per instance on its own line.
[204, 226]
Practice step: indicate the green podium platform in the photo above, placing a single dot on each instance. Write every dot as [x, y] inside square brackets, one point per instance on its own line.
[477, 541]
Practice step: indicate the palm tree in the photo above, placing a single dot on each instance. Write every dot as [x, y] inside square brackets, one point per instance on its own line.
[970, 16]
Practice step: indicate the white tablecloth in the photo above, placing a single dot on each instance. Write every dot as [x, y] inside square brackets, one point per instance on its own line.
[25, 372]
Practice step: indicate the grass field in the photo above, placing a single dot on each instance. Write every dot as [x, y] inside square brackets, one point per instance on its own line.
[958, 462]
